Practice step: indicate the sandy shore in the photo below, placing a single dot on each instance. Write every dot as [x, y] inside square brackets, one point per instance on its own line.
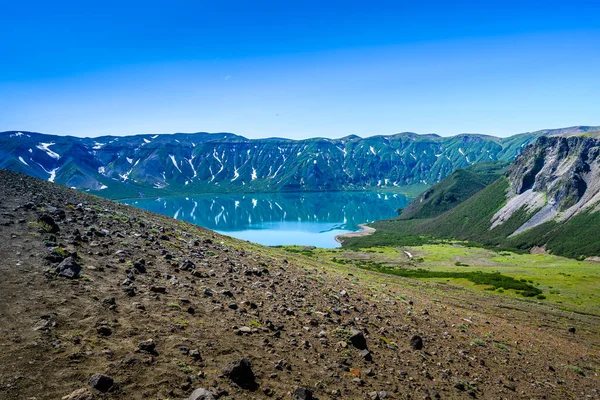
[365, 231]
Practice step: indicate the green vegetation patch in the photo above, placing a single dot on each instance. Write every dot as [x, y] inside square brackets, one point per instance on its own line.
[495, 280]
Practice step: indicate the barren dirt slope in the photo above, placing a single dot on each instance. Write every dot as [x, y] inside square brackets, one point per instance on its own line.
[161, 308]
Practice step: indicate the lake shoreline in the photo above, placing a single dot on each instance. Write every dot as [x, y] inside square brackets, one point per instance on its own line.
[364, 231]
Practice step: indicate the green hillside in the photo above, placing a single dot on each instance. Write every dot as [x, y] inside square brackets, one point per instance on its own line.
[458, 187]
[471, 221]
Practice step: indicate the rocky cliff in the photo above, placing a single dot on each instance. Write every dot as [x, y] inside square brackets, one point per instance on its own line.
[555, 178]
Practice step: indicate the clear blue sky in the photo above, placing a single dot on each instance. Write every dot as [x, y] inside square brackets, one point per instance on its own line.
[298, 68]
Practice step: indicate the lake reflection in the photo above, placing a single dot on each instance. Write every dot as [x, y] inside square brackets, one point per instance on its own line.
[310, 219]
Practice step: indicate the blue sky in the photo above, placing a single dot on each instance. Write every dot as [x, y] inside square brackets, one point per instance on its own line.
[298, 69]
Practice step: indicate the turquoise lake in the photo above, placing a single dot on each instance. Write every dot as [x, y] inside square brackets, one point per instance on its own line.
[308, 219]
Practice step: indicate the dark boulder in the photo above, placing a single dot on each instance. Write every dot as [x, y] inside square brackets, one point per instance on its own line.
[416, 342]
[148, 346]
[48, 224]
[69, 268]
[102, 383]
[357, 339]
[240, 372]
[140, 266]
[302, 393]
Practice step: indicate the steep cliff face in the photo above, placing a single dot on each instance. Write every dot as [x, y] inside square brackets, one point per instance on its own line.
[555, 178]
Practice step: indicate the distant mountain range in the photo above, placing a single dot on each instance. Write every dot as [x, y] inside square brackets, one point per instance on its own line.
[548, 199]
[181, 163]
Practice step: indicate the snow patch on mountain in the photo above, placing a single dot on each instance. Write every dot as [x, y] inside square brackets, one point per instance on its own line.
[45, 147]
[192, 166]
[177, 213]
[174, 162]
[236, 174]
[52, 174]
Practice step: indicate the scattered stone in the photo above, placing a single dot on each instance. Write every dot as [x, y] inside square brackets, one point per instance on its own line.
[104, 330]
[366, 355]
[357, 339]
[69, 268]
[374, 395]
[188, 266]
[79, 394]
[201, 394]
[158, 289]
[195, 354]
[110, 303]
[302, 393]
[358, 381]
[48, 224]
[102, 383]
[140, 266]
[245, 330]
[148, 346]
[240, 372]
[416, 342]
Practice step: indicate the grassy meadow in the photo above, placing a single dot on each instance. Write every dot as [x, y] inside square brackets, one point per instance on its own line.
[567, 283]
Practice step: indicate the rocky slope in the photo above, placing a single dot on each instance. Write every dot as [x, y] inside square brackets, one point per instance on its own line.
[555, 178]
[158, 165]
[99, 300]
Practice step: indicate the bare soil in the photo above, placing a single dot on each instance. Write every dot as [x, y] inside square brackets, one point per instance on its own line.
[206, 300]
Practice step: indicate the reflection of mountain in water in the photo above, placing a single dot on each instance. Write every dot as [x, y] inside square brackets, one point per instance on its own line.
[251, 211]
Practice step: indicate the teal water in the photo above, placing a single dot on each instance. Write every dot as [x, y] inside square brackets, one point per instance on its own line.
[309, 219]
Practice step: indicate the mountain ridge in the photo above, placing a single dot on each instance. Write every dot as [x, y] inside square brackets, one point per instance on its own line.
[181, 163]
[549, 199]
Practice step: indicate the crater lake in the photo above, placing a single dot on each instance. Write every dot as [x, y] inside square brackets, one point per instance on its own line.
[296, 218]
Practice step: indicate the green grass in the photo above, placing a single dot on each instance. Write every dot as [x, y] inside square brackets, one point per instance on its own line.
[576, 369]
[494, 280]
[567, 283]
[458, 187]
[576, 238]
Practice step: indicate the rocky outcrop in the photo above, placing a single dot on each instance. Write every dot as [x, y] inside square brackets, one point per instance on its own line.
[555, 178]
